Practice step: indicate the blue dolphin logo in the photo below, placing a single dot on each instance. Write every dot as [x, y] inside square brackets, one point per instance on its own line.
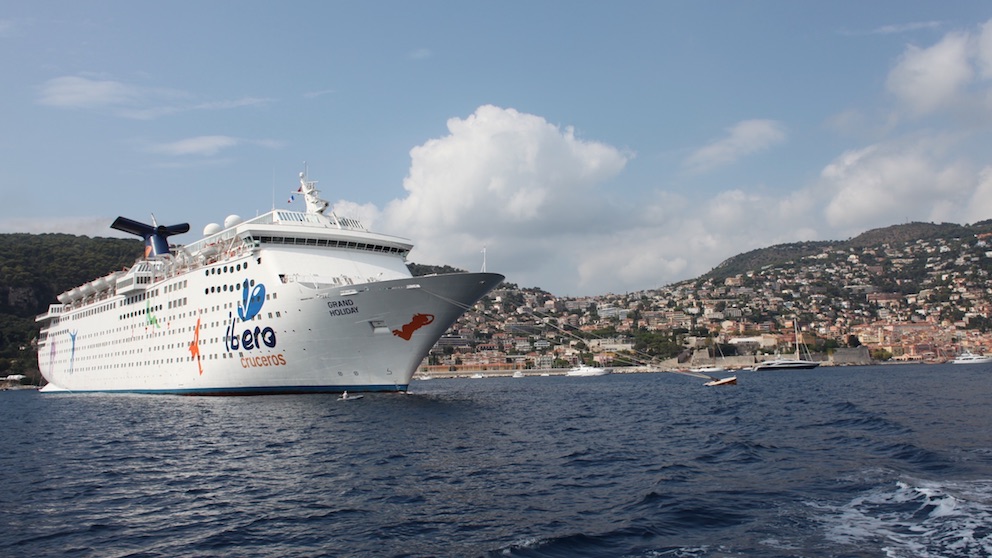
[251, 303]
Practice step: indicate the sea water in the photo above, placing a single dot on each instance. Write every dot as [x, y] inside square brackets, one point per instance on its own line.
[864, 461]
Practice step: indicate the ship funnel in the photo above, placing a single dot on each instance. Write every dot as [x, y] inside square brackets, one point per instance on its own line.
[156, 236]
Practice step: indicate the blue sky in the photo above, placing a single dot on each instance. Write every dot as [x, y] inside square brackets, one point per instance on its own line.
[589, 147]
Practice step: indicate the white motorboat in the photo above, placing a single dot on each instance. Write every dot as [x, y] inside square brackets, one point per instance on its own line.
[728, 381]
[583, 370]
[968, 357]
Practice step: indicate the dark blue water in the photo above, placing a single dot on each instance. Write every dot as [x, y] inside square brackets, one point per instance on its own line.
[874, 461]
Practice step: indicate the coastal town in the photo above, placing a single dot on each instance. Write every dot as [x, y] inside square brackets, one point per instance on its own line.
[920, 300]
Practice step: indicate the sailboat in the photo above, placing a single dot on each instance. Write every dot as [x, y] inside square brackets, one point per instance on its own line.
[709, 368]
[707, 371]
[797, 363]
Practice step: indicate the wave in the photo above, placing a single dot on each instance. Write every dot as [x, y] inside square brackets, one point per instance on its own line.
[918, 518]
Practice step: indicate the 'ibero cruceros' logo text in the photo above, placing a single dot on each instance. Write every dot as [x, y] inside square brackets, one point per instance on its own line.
[251, 338]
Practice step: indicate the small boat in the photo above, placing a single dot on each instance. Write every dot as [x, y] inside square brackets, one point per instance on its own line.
[518, 374]
[728, 381]
[346, 397]
[583, 370]
[713, 380]
[968, 357]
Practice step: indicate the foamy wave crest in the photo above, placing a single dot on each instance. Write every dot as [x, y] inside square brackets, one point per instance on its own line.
[917, 518]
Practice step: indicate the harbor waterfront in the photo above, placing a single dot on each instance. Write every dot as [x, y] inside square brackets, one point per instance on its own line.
[841, 461]
[667, 365]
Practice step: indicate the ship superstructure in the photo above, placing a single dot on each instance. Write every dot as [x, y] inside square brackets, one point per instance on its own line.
[287, 301]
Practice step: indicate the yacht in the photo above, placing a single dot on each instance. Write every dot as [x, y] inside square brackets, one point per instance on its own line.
[968, 357]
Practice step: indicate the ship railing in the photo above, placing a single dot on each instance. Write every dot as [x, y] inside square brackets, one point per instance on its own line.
[284, 216]
[349, 223]
[223, 241]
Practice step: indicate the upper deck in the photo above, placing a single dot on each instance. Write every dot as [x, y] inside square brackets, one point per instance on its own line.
[312, 229]
[302, 229]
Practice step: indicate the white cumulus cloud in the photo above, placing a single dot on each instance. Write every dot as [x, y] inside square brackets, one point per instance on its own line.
[507, 180]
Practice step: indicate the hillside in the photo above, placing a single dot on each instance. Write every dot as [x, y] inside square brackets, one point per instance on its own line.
[780, 254]
[34, 269]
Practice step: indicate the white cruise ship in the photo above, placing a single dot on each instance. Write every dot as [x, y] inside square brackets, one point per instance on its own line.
[287, 302]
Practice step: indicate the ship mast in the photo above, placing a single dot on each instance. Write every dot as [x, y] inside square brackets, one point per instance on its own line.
[311, 194]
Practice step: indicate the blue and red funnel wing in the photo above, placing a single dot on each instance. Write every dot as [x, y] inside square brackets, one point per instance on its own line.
[156, 238]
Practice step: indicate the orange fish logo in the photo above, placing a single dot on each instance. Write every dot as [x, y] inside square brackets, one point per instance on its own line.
[418, 321]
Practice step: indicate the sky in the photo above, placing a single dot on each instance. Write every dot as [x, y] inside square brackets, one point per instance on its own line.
[582, 147]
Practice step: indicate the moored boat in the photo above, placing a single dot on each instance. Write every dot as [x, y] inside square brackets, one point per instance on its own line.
[968, 357]
[797, 363]
[785, 364]
[728, 381]
[584, 370]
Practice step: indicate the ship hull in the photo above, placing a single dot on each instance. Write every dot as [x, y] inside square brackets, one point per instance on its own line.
[277, 337]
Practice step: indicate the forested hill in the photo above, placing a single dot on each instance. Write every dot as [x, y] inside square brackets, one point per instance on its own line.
[894, 235]
[34, 269]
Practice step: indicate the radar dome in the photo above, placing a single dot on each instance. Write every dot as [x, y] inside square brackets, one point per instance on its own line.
[212, 228]
[232, 221]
